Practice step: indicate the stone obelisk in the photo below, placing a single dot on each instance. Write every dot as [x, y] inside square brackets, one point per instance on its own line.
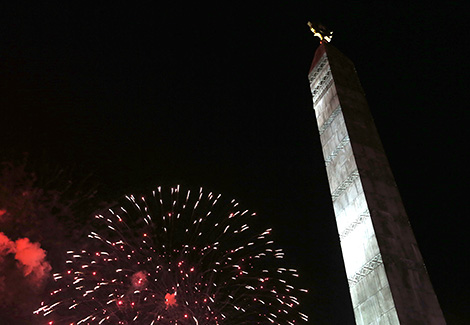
[388, 281]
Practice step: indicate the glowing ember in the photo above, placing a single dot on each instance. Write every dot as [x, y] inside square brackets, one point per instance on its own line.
[170, 300]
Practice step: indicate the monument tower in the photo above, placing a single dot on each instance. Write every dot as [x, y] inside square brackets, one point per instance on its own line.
[388, 281]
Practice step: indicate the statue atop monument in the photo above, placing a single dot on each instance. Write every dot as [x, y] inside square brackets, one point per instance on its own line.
[320, 31]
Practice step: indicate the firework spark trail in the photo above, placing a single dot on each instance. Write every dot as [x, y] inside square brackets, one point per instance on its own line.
[175, 258]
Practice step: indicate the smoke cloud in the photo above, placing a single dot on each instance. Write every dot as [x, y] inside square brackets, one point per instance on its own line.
[23, 274]
[30, 258]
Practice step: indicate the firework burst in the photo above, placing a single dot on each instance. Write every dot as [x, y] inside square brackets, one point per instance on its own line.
[175, 257]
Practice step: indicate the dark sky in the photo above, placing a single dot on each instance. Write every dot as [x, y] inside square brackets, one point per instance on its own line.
[218, 96]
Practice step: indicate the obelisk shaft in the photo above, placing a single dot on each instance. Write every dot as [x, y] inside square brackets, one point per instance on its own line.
[387, 278]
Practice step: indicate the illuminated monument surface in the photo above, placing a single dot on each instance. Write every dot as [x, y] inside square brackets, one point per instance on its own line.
[388, 281]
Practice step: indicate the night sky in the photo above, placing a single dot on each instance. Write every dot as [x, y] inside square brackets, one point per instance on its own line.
[142, 95]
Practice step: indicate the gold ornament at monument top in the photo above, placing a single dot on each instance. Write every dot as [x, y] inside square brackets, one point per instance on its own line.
[320, 31]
